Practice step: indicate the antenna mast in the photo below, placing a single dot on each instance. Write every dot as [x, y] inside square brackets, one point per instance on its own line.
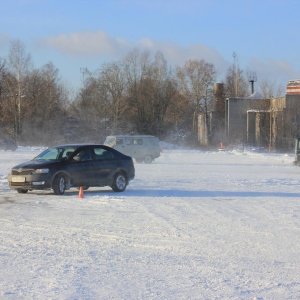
[252, 78]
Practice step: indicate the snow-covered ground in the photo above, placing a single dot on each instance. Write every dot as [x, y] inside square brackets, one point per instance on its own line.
[192, 225]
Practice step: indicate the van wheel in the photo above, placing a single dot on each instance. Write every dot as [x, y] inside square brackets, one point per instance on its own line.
[148, 159]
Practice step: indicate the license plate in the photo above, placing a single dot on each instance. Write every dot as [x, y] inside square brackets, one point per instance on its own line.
[18, 179]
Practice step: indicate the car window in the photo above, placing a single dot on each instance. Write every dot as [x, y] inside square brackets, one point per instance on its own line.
[83, 155]
[49, 154]
[101, 154]
[67, 152]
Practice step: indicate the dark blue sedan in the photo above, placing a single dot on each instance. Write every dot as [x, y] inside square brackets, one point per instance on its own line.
[83, 165]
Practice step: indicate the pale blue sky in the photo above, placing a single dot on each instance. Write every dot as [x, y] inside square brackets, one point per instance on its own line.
[72, 34]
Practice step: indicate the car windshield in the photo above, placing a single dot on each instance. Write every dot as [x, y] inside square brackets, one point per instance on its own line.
[110, 142]
[55, 153]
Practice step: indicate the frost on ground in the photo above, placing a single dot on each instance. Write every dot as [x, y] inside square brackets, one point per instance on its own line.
[192, 225]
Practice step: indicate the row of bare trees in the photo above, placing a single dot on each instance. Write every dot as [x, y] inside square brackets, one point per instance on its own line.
[33, 101]
[141, 93]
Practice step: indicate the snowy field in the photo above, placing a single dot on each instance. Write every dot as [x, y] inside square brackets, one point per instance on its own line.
[192, 225]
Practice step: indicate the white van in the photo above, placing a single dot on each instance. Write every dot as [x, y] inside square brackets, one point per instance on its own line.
[143, 148]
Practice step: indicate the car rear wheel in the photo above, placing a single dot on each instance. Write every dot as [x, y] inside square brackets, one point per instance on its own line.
[119, 183]
[59, 184]
[22, 191]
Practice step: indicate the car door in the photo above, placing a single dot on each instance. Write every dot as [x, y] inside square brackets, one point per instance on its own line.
[104, 165]
[81, 167]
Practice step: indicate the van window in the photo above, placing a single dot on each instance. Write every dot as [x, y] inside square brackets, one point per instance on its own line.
[111, 142]
[120, 141]
[137, 141]
[128, 141]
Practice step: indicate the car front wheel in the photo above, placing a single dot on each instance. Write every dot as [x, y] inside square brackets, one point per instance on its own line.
[119, 183]
[59, 184]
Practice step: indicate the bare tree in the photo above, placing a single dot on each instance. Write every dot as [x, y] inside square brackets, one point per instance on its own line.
[195, 81]
[236, 84]
[270, 89]
[150, 90]
[2, 71]
[137, 66]
[4, 103]
[45, 106]
[91, 107]
[113, 86]
[160, 92]
[19, 64]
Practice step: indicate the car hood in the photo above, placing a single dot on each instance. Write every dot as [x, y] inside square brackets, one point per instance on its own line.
[33, 164]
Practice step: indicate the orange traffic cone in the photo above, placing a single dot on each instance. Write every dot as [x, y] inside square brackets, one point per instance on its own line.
[80, 195]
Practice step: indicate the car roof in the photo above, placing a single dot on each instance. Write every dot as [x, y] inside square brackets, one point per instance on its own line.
[131, 136]
[76, 145]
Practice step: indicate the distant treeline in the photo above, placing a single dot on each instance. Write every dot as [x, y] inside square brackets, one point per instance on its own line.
[141, 93]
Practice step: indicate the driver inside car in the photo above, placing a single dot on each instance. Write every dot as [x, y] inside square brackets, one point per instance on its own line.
[82, 156]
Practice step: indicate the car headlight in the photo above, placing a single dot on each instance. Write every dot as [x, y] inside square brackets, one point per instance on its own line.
[40, 171]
